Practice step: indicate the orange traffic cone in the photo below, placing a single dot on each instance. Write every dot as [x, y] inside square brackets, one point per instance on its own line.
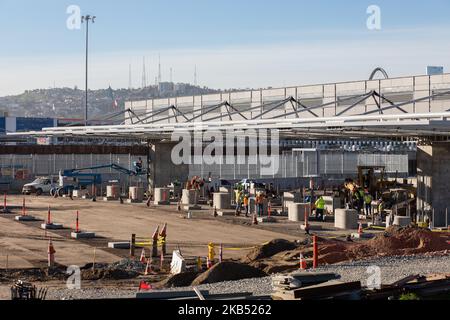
[303, 265]
[255, 220]
[148, 268]
[144, 286]
[143, 259]
[360, 229]
[163, 233]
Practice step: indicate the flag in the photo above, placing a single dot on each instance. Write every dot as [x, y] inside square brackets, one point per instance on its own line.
[115, 103]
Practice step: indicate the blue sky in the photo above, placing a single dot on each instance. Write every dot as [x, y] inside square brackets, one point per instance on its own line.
[233, 43]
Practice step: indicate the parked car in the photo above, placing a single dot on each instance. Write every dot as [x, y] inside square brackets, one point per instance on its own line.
[39, 186]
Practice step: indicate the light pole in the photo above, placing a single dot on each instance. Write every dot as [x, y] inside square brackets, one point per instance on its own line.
[86, 19]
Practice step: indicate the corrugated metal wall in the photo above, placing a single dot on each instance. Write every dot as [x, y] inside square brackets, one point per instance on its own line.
[307, 164]
[21, 169]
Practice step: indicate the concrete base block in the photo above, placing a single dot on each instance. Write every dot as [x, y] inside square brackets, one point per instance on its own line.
[402, 221]
[119, 245]
[192, 207]
[362, 236]
[226, 213]
[52, 226]
[25, 218]
[346, 219]
[131, 201]
[107, 199]
[164, 203]
[267, 220]
[311, 227]
[82, 235]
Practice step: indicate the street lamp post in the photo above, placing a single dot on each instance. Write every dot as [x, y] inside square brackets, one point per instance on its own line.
[87, 19]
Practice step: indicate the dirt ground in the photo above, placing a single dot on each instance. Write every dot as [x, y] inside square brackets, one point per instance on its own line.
[24, 245]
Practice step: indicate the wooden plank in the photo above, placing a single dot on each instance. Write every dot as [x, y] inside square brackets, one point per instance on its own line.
[164, 295]
[327, 289]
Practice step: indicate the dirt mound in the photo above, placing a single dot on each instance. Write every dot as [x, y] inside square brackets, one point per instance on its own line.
[270, 249]
[394, 242]
[108, 274]
[228, 271]
[408, 241]
[179, 280]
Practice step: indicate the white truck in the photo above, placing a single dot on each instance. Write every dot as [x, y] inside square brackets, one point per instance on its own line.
[39, 186]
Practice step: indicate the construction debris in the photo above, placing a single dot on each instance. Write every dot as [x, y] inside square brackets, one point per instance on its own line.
[228, 271]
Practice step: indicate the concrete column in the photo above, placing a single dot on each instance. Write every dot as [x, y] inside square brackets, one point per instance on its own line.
[433, 181]
[162, 171]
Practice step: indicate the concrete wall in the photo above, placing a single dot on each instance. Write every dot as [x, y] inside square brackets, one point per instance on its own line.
[164, 171]
[397, 90]
[433, 166]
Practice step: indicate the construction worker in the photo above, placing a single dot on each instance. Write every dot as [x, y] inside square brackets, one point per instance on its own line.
[381, 209]
[259, 201]
[368, 201]
[238, 203]
[246, 204]
[361, 199]
[320, 208]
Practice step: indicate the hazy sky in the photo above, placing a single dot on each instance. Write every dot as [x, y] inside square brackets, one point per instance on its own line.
[234, 43]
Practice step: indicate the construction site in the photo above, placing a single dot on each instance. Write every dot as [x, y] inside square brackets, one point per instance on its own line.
[354, 205]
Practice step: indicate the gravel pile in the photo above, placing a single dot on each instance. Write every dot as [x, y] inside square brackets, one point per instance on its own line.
[129, 265]
[392, 269]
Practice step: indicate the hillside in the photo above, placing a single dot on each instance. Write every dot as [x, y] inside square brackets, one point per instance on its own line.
[69, 103]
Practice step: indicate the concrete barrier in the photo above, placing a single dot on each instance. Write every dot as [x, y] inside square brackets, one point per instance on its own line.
[137, 194]
[222, 201]
[112, 192]
[190, 197]
[402, 221]
[346, 219]
[289, 198]
[162, 196]
[296, 211]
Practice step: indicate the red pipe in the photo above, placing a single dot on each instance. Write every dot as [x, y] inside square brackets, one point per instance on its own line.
[77, 223]
[315, 252]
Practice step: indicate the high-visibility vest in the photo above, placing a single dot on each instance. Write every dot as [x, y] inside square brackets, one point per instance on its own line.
[368, 199]
[320, 204]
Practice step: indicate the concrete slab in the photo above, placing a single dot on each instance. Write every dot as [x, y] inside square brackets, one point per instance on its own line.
[108, 199]
[192, 207]
[311, 227]
[25, 218]
[362, 236]
[119, 245]
[131, 201]
[82, 235]
[226, 213]
[267, 220]
[52, 226]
